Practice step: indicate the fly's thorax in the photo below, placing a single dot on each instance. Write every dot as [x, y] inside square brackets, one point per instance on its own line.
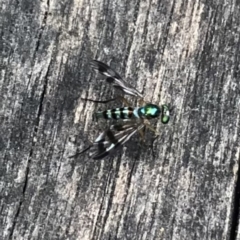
[117, 113]
[149, 111]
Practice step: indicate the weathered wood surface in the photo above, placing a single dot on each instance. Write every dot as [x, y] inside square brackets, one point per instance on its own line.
[185, 53]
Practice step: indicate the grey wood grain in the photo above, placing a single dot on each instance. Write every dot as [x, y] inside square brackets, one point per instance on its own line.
[184, 53]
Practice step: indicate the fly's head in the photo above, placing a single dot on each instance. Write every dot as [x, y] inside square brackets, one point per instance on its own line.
[165, 114]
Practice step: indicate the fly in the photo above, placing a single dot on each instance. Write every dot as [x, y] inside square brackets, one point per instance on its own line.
[133, 119]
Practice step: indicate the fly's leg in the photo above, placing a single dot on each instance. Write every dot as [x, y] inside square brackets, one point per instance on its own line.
[141, 102]
[150, 127]
[142, 131]
[98, 101]
[120, 98]
[124, 101]
[142, 134]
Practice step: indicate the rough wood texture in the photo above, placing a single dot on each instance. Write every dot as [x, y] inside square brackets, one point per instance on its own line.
[185, 53]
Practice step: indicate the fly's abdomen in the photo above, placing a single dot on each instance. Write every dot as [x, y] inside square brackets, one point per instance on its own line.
[117, 113]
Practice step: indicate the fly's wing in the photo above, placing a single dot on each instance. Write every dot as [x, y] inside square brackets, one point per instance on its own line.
[114, 137]
[114, 78]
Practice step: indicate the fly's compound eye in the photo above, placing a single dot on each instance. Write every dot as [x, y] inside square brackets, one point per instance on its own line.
[165, 114]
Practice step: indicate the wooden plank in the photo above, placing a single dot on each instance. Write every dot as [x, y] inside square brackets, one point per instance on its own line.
[184, 53]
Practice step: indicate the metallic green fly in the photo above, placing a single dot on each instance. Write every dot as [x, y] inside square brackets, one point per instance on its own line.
[133, 119]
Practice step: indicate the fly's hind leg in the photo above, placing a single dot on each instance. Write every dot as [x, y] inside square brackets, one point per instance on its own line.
[120, 98]
[142, 134]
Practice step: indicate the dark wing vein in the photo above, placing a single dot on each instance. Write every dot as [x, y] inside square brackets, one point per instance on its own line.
[114, 78]
[114, 137]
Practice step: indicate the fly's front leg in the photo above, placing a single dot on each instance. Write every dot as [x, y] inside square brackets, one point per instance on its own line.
[142, 131]
[150, 127]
